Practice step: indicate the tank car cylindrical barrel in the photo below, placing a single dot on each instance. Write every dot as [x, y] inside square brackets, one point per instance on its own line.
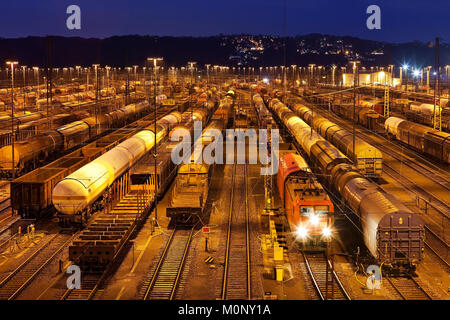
[77, 191]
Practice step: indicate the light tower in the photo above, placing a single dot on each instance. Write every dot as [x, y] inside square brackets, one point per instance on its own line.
[12, 64]
[155, 154]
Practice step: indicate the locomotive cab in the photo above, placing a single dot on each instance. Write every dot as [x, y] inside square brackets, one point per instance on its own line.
[308, 208]
[311, 218]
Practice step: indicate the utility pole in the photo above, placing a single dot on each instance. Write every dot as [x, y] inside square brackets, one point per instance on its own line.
[155, 154]
[284, 51]
[355, 74]
[437, 96]
[24, 69]
[333, 69]
[96, 94]
[13, 167]
[207, 72]
[127, 86]
[191, 66]
[405, 66]
[36, 69]
[49, 71]
[135, 79]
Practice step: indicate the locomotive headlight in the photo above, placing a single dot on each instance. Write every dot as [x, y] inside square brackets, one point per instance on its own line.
[326, 232]
[301, 232]
[314, 220]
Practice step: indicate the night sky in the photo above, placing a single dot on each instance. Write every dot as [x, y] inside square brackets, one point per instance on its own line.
[401, 20]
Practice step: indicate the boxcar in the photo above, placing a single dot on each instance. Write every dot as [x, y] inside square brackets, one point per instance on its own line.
[437, 144]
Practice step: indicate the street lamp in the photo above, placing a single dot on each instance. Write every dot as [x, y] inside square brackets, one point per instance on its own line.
[96, 94]
[36, 70]
[311, 74]
[405, 67]
[333, 69]
[12, 64]
[96, 81]
[428, 78]
[135, 78]
[207, 72]
[24, 69]
[293, 74]
[155, 154]
[355, 78]
[191, 67]
[107, 75]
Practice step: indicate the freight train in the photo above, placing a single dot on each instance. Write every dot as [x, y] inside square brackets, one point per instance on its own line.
[424, 113]
[422, 138]
[32, 128]
[392, 233]
[166, 169]
[367, 117]
[187, 201]
[265, 119]
[29, 153]
[367, 158]
[99, 244]
[31, 194]
[78, 195]
[308, 208]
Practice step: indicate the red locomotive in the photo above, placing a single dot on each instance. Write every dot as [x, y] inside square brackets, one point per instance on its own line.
[308, 208]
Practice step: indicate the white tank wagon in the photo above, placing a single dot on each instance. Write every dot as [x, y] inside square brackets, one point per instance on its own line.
[391, 125]
[425, 108]
[76, 192]
[367, 158]
[302, 132]
[49, 144]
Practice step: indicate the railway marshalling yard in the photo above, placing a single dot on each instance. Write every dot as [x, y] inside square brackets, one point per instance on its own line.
[233, 232]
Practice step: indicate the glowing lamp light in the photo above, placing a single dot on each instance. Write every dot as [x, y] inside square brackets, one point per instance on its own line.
[266, 80]
[416, 73]
[301, 232]
[314, 219]
[326, 232]
[405, 66]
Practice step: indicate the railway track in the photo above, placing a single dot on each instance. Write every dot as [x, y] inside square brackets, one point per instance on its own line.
[5, 204]
[437, 246]
[24, 274]
[408, 288]
[165, 279]
[316, 265]
[439, 177]
[440, 206]
[237, 277]
[90, 284]
[436, 177]
[5, 215]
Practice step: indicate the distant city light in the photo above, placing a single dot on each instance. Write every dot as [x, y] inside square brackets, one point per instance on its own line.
[266, 80]
[416, 73]
[405, 66]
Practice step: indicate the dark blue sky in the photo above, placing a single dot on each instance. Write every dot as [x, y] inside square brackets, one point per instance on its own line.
[401, 20]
